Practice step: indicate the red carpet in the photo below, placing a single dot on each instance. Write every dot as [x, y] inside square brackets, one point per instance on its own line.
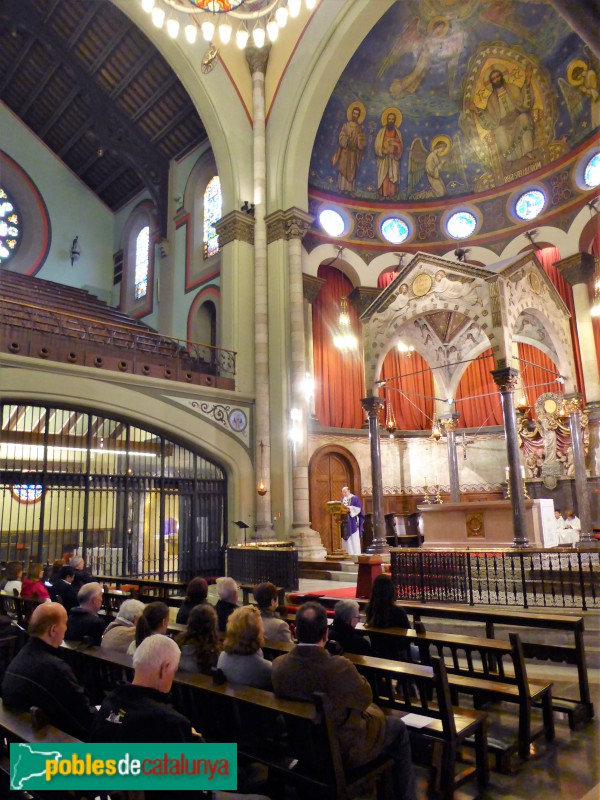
[341, 593]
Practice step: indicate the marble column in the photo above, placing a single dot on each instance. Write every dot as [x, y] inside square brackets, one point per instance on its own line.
[450, 423]
[506, 380]
[311, 287]
[573, 403]
[292, 225]
[257, 61]
[578, 270]
[372, 407]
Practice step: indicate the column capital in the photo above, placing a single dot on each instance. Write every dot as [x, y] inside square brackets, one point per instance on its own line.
[362, 297]
[258, 58]
[578, 268]
[311, 287]
[450, 421]
[506, 378]
[372, 405]
[573, 403]
[235, 226]
[291, 224]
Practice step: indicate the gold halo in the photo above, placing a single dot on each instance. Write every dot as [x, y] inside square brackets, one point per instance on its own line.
[361, 107]
[442, 139]
[434, 21]
[391, 110]
[578, 62]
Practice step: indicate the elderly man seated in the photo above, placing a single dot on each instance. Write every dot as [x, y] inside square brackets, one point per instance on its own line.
[84, 621]
[37, 676]
[121, 631]
[82, 575]
[364, 731]
[227, 589]
[345, 620]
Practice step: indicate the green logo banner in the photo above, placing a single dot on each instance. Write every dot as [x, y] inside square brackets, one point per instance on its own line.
[123, 766]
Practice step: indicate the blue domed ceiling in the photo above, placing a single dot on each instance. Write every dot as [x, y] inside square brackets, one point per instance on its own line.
[447, 98]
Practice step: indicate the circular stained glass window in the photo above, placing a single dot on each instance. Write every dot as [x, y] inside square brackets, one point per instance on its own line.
[332, 222]
[395, 230]
[9, 227]
[27, 492]
[461, 224]
[591, 174]
[530, 204]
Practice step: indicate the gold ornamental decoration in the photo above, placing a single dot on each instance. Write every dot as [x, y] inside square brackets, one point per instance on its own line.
[421, 284]
[535, 283]
[474, 524]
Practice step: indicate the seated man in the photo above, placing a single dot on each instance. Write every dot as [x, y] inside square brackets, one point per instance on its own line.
[345, 619]
[227, 589]
[82, 575]
[63, 591]
[275, 628]
[83, 619]
[364, 731]
[37, 676]
[120, 633]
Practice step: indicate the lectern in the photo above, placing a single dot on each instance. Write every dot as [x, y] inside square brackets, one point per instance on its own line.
[338, 511]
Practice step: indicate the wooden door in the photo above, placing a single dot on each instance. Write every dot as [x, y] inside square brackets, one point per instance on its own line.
[329, 470]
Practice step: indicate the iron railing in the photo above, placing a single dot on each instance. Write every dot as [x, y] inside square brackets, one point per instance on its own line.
[264, 561]
[530, 578]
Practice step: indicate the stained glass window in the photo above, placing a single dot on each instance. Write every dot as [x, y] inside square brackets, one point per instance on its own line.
[461, 224]
[142, 253]
[212, 213]
[332, 222]
[395, 230]
[530, 204]
[591, 174]
[27, 492]
[9, 227]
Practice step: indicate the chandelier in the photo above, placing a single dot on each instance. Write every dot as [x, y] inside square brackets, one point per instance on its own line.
[344, 339]
[254, 21]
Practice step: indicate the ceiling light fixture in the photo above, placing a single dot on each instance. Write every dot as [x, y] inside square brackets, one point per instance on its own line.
[344, 339]
[253, 20]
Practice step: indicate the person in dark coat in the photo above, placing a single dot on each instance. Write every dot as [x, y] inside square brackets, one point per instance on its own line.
[82, 575]
[63, 591]
[196, 593]
[383, 612]
[83, 619]
[345, 619]
[37, 676]
[227, 590]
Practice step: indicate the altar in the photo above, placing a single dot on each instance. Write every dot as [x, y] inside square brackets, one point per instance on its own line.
[481, 523]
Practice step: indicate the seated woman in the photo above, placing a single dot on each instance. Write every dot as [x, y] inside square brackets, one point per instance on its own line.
[196, 592]
[154, 619]
[13, 577]
[121, 631]
[200, 644]
[383, 612]
[242, 660]
[34, 583]
[276, 629]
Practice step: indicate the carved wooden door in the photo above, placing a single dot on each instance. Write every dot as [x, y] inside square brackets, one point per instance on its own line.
[328, 472]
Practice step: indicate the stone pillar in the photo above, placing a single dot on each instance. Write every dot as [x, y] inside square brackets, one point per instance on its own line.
[292, 225]
[506, 380]
[372, 407]
[573, 404]
[257, 60]
[450, 423]
[311, 287]
[578, 270]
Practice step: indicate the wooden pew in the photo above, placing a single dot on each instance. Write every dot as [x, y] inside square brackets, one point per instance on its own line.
[415, 692]
[295, 740]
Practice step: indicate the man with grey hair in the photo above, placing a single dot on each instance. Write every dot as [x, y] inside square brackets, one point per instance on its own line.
[227, 589]
[345, 620]
[84, 621]
[121, 631]
[82, 575]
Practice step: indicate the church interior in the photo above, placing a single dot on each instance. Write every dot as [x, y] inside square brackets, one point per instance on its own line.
[256, 251]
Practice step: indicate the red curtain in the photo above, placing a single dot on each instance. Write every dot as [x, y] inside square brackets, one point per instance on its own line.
[477, 396]
[416, 382]
[339, 377]
[534, 376]
[386, 278]
[595, 250]
[547, 256]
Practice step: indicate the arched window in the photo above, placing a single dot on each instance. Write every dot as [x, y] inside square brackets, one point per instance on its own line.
[212, 213]
[142, 263]
[9, 227]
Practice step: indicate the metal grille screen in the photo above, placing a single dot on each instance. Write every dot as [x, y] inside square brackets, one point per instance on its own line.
[129, 500]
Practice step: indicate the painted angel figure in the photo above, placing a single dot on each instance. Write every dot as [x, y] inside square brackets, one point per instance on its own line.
[582, 82]
[445, 154]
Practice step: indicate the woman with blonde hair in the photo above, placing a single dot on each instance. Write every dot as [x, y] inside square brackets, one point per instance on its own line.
[242, 660]
[33, 584]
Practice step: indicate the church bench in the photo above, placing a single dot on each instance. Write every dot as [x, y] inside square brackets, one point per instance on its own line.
[294, 739]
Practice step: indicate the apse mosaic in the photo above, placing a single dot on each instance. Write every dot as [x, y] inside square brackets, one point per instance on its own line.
[452, 97]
